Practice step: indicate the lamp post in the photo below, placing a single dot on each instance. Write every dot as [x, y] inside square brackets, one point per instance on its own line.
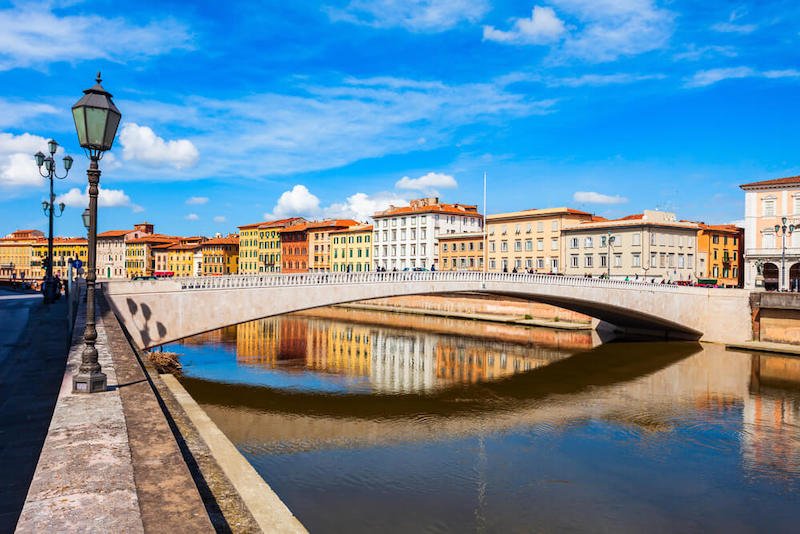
[49, 208]
[610, 240]
[783, 230]
[96, 121]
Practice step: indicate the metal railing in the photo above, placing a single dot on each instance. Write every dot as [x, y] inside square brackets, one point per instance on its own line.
[328, 279]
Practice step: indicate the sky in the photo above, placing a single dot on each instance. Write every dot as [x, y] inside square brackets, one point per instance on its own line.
[235, 112]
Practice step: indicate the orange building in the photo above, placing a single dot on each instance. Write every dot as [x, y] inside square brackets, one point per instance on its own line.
[461, 252]
[297, 254]
[220, 255]
[719, 254]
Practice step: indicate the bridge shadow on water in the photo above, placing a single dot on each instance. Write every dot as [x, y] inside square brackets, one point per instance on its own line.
[603, 366]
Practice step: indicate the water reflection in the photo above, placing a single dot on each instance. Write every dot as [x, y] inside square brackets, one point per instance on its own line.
[468, 431]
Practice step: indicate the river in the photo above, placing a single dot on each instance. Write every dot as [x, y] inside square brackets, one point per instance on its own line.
[379, 422]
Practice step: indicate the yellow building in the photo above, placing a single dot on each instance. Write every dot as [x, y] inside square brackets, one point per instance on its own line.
[461, 252]
[530, 239]
[221, 255]
[319, 242]
[350, 249]
[64, 249]
[16, 252]
[139, 257]
[180, 260]
[260, 246]
[719, 255]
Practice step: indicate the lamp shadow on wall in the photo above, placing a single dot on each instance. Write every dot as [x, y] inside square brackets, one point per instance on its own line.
[142, 315]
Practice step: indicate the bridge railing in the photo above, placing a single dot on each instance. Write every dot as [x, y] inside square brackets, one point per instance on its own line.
[311, 279]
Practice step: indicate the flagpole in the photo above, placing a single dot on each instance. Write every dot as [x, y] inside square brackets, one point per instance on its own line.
[485, 233]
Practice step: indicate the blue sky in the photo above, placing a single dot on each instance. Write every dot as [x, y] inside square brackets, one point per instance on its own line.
[237, 111]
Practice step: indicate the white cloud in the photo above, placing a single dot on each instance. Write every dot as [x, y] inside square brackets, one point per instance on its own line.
[34, 36]
[694, 52]
[328, 126]
[197, 200]
[192, 217]
[428, 182]
[141, 144]
[18, 112]
[219, 219]
[297, 202]
[592, 30]
[107, 198]
[708, 77]
[732, 26]
[17, 166]
[543, 27]
[300, 202]
[592, 197]
[602, 79]
[362, 206]
[413, 15]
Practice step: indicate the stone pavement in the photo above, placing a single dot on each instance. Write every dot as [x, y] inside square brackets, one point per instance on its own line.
[33, 349]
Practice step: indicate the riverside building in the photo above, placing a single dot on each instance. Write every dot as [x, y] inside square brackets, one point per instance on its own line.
[652, 246]
[719, 255]
[461, 252]
[16, 252]
[408, 237]
[260, 246]
[766, 205]
[530, 239]
[350, 249]
[111, 250]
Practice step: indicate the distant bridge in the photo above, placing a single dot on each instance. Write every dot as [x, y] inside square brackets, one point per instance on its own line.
[160, 311]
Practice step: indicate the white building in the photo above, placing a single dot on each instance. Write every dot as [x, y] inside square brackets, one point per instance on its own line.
[407, 237]
[111, 250]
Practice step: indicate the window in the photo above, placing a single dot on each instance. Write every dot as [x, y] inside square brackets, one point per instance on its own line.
[636, 259]
[504, 246]
[796, 202]
[540, 226]
[529, 245]
[715, 271]
[573, 242]
[573, 260]
[517, 246]
[540, 244]
[768, 208]
[653, 259]
[554, 243]
[768, 240]
[588, 260]
[528, 228]
[652, 238]
[617, 260]
[444, 247]
[603, 261]
[587, 242]
[554, 264]
[603, 241]
[491, 246]
[554, 226]
[715, 239]
[540, 263]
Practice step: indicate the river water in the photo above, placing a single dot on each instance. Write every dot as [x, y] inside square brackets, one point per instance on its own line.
[378, 422]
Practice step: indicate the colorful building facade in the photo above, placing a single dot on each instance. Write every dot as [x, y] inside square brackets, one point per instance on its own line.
[719, 255]
[319, 242]
[260, 245]
[16, 253]
[111, 250]
[530, 239]
[461, 252]
[772, 258]
[139, 257]
[350, 249]
[64, 250]
[220, 256]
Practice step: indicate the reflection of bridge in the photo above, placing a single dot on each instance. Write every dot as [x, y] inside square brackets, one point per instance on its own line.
[156, 312]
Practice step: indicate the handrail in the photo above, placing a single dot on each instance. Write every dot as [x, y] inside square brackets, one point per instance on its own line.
[242, 281]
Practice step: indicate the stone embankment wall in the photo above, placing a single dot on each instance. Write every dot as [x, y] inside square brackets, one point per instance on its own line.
[776, 317]
[482, 305]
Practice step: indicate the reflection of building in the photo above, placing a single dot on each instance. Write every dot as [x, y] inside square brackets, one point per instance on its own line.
[719, 249]
[765, 205]
[341, 348]
[403, 362]
[257, 341]
[292, 339]
[459, 361]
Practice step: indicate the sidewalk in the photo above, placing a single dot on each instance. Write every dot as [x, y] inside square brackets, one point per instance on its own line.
[33, 350]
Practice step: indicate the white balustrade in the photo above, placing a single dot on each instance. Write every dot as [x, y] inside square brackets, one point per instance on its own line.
[284, 280]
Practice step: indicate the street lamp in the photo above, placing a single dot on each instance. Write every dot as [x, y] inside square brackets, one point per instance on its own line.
[610, 241]
[783, 230]
[49, 208]
[96, 121]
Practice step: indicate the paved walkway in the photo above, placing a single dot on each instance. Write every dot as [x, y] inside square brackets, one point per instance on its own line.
[33, 349]
[766, 346]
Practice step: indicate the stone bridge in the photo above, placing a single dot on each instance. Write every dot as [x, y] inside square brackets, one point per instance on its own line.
[160, 311]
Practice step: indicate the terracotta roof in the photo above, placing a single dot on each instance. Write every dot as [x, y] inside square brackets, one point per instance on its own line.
[536, 212]
[333, 223]
[222, 241]
[451, 209]
[357, 228]
[63, 241]
[791, 180]
[634, 217]
[184, 246]
[728, 228]
[270, 224]
[114, 233]
[154, 238]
